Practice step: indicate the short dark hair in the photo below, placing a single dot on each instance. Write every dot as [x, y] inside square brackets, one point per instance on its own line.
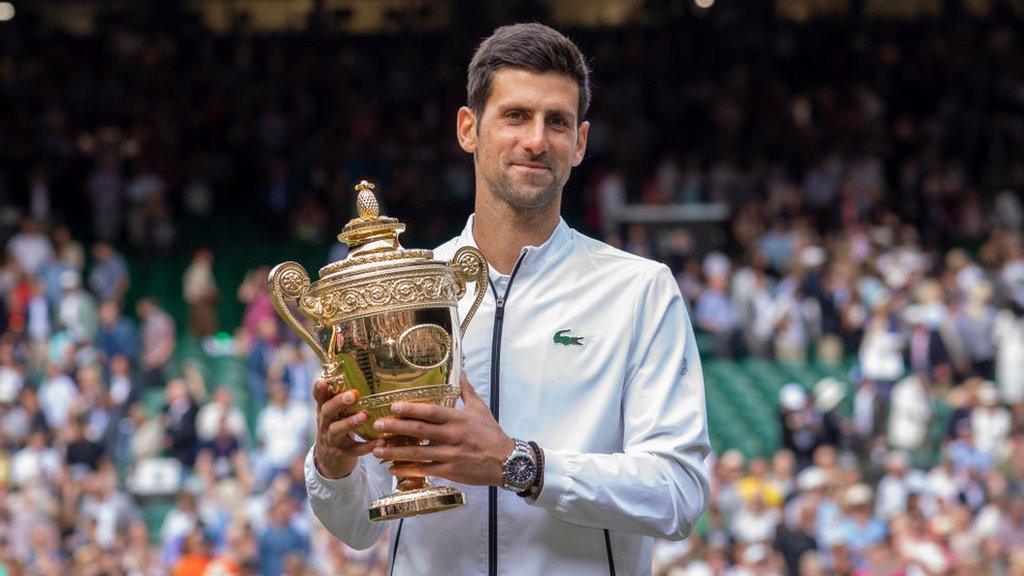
[533, 47]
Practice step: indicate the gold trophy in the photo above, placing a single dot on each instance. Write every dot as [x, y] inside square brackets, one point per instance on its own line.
[386, 324]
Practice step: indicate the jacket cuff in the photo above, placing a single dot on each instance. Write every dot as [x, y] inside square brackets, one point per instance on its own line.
[557, 481]
[330, 488]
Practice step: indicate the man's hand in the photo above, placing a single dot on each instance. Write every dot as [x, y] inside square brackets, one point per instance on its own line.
[335, 451]
[466, 446]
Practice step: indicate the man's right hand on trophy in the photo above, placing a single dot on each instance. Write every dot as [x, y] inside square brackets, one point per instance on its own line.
[336, 451]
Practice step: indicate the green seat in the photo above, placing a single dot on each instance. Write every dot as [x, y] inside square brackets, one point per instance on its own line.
[154, 514]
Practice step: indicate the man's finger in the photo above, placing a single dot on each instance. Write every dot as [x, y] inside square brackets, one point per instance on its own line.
[413, 428]
[320, 393]
[426, 412]
[415, 453]
[332, 409]
[338, 432]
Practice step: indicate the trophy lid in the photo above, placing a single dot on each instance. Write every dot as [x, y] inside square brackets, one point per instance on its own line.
[372, 238]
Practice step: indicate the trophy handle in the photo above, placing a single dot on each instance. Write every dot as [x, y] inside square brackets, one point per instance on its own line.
[469, 265]
[289, 281]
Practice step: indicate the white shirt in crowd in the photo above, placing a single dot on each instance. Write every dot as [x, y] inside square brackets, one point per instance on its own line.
[29, 465]
[749, 526]
[283, 430]
[991, 426]
[209, 417]
[910, 412]
[30, 250]
[1008, 334]
[56, 396]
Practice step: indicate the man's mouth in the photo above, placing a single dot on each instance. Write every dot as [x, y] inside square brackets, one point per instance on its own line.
[531, 166]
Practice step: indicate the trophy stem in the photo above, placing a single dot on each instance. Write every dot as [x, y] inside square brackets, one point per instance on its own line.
[406, 483]
[415, 496]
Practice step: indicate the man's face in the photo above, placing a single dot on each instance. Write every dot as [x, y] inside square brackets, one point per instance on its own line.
[527, 138]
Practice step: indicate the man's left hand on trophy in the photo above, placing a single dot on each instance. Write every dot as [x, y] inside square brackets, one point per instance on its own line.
[336, 450]
[466, 445]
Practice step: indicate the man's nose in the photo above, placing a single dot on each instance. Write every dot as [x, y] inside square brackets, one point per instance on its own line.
[535, 140]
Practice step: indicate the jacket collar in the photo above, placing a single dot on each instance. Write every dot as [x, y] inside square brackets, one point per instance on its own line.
[548, 253]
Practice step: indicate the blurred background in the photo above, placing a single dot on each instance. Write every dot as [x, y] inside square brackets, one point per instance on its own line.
[836, 183]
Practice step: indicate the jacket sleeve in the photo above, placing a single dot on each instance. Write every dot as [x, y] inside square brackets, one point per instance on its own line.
[341, 505]
[658, 485]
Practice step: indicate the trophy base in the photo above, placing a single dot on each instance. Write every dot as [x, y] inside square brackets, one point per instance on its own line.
[415, 502]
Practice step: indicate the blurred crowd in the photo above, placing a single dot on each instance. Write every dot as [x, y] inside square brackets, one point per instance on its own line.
[872, 177]
[85, 450]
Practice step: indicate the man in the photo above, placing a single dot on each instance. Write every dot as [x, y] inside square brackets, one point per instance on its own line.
[117, 335]
[597, 368]
[158, 341]
[109, 278]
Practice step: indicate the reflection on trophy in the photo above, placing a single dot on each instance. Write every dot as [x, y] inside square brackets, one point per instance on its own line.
[385, 324]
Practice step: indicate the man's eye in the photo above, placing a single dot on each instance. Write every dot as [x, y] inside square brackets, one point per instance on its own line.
[559, 121]
[515, 115]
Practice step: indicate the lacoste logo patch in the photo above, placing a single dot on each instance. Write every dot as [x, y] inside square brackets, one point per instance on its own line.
[561, 338]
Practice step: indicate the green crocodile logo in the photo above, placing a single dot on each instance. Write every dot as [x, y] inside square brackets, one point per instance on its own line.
[567, 340]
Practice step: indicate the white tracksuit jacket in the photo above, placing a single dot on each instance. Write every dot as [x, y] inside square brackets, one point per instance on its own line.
[621, 420]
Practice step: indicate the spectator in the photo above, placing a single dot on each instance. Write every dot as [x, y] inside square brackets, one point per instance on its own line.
[857, 529]
[123, 389]
[926, 353]
[880, 355]
[30, 248]
[222, 408]
[909, 414]
[990, 422]
[77, 310]
[36, 462]
[196, 554]
[158, 341]
[717, 315]
[110, 509]
[282, 428]
[109, 277]
[280, 540]
[57, 394]
[179, 420]
[755, 522]
[794, 543]
[11, 377]
[802, 425]
[117, 335]
[179, 523]
[261, 353]
[975, 322]
[81, 454]
[893, 488]
[254, 294]
[105, 187]
[1009, 337]
[201, 294]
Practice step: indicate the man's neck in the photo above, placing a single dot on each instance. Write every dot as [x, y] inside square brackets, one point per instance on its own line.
[501, 231]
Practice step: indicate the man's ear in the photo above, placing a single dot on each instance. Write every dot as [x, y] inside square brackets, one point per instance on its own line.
[581, 143]
[466, 129]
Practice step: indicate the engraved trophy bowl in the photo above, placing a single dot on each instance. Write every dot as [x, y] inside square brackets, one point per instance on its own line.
[385, 324]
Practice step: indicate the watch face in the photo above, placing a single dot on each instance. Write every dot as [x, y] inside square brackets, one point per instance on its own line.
[520, 471]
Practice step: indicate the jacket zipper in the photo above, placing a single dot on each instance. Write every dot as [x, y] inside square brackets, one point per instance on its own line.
[492, 491]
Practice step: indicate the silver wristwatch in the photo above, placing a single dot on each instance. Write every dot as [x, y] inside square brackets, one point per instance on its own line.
[520, 468]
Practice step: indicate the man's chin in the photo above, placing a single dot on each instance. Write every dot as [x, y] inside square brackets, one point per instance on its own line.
[525, 193]
[533, 199]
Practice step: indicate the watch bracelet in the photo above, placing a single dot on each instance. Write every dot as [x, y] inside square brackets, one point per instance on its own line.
[538, 457]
